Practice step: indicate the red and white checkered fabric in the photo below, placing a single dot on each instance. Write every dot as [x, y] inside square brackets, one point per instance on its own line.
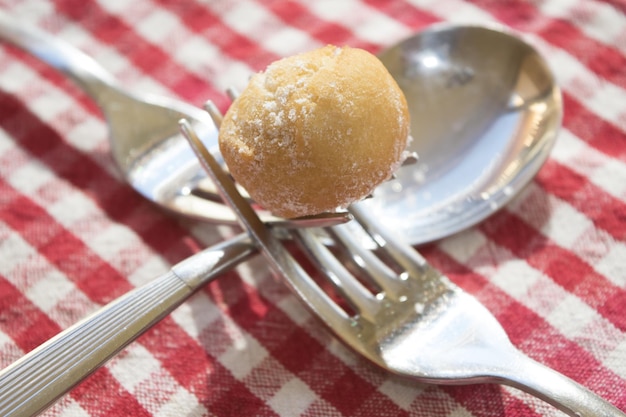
[73, 236]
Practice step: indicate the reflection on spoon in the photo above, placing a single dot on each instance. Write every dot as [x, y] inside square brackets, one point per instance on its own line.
[485, 111]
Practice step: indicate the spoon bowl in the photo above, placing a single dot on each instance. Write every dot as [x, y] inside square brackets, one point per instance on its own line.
[485, 111]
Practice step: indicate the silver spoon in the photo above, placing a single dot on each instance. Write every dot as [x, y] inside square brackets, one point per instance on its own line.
[484, 107]
[485, 111]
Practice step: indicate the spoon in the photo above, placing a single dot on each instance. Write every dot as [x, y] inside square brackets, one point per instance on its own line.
[484, 107]
[485, 111]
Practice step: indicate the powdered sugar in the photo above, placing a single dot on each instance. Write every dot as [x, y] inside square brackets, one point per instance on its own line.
[305, 132]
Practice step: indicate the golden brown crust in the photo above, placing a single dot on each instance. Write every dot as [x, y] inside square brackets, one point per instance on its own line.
[316, 131]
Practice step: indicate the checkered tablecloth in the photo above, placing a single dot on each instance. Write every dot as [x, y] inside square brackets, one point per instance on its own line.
[551, 266]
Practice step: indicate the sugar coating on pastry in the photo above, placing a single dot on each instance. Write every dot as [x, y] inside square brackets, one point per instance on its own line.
[316, 131]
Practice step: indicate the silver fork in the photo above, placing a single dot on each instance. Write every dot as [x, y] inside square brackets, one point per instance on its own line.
[416, 322]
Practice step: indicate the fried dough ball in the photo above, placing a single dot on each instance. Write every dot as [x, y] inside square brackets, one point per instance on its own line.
[316, 131]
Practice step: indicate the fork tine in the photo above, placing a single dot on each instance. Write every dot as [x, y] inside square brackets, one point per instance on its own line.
[214, 112]
[419, 277]
[359, 297]
[232, 93]
[407, 257]
[366, 260]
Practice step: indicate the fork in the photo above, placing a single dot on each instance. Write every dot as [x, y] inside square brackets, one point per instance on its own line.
[415, 322]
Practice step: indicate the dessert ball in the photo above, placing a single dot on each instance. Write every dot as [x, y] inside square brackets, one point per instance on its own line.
[316, 131]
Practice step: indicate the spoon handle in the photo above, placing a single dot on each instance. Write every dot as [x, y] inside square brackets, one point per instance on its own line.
[38, 379]
[81, 68]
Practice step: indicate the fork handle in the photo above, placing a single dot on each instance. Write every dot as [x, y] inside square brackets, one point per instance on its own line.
[35, 381]
[557, 389]
[82, 69]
